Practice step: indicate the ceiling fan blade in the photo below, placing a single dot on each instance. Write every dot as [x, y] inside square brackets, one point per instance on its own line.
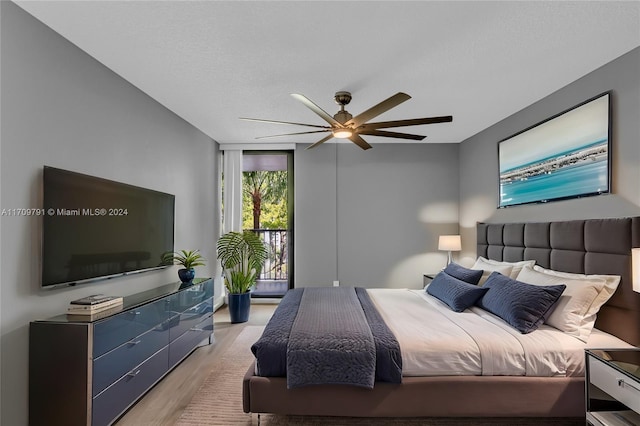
[374, 132]
[378, 109]
[326, 138]
[410, 122]
[359, 141]
[291, 134]
[315, 108]
[283, 122]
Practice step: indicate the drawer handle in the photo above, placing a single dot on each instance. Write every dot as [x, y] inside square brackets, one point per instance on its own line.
[133, 373]
[624, 384]
[133, 342]
[196, 329]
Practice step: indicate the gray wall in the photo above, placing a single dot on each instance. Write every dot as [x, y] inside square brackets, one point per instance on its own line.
[479, 155]
[62, 108]
[315, 215]
[372, 218]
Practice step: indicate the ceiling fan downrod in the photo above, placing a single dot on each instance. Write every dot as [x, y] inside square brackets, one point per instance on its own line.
[342, 99]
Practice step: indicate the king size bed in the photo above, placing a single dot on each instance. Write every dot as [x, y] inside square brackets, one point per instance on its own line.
[445, 364]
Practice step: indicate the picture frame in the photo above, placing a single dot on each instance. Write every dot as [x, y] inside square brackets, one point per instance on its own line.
[565, 156]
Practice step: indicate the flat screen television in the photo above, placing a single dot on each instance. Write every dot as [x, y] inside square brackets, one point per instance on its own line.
[565, 156]
[95, 228]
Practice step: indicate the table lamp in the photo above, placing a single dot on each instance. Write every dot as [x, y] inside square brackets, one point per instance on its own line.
[449, 243]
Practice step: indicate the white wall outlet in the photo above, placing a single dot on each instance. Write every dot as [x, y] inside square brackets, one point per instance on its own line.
[336, 283]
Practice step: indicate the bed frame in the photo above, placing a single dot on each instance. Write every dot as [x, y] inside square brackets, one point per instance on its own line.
[595, 246]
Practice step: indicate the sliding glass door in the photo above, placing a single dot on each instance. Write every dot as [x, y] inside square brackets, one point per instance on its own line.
[267, 209]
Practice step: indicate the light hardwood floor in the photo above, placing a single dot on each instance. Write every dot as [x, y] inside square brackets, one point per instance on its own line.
[164, 404]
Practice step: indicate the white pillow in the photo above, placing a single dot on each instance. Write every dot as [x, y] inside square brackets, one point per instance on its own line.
[516, 266]
[610, 285]
[576, 309]
[487, 264]
[488, 268]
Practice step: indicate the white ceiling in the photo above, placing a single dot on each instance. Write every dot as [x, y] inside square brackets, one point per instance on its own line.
[212, 62]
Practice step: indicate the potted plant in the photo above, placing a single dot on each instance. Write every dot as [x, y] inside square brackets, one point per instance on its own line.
[242, 255]
[188, 259]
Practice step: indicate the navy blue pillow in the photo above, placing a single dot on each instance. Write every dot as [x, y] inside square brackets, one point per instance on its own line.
[471, 276]
[457, 294]
[522, 305]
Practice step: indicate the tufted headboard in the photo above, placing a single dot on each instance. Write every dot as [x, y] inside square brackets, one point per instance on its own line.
[593, 246]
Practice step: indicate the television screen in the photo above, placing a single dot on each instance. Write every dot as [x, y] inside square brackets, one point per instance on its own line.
[95, 228]
[566, 156]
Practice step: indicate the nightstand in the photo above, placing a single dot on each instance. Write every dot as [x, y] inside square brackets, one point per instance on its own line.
[427, 278]
[613, 386]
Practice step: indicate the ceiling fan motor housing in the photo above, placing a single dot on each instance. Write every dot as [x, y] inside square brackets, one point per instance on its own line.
[342, 116]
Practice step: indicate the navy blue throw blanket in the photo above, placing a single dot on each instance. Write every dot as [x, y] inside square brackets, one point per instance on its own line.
[337, 337]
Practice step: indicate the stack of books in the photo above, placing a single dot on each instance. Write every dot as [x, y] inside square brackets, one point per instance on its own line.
[94, 304]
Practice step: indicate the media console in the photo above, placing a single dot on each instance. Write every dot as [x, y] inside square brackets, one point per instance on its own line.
[90, 371]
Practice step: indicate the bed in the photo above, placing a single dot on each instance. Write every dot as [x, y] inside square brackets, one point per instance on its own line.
[596, 246]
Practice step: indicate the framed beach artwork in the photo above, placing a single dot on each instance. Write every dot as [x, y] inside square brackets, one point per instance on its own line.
[565, 156]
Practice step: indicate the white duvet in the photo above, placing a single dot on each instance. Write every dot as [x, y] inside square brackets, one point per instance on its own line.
[435, 341]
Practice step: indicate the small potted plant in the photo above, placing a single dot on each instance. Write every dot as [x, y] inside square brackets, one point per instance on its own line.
[242, 255]
[189, 259]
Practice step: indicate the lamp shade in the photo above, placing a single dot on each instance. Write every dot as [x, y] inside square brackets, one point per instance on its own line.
[449, 243]
[635, 269]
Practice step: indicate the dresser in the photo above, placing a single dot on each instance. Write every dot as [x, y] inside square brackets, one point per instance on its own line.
[613, 387]
[90, 370]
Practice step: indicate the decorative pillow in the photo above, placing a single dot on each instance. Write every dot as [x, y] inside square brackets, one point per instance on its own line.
[609, 286]
[471, 276]
[488, 268]
[521, 305]
[457, 294]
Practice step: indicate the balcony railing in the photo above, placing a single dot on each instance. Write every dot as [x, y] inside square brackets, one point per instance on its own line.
[276, 240]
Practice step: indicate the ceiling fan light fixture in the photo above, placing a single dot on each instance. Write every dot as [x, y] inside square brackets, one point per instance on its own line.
[342, 133]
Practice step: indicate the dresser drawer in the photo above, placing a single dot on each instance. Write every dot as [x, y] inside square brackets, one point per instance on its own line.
[123, 327]
[117, 398]
[190, 318]
[111, 366]
[184, 344]
[618, 385]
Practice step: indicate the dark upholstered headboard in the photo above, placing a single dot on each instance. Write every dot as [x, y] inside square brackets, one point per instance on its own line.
[594, 246]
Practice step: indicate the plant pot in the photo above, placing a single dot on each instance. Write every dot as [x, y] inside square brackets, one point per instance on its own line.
[186, 275]
[239, 306]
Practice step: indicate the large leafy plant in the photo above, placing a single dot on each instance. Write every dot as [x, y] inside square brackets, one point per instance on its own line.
[187, 258]
[242, 255]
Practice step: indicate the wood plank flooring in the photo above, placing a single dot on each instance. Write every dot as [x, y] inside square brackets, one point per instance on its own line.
[164, 404]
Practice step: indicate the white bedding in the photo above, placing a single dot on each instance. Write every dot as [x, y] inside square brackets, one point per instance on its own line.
[435, 341]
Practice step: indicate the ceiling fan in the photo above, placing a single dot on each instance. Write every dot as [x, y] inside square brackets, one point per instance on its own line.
[344, 126]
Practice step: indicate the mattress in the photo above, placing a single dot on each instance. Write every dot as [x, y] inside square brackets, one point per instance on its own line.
[435, 341]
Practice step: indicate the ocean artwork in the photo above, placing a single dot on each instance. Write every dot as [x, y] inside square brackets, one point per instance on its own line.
[564, 157]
